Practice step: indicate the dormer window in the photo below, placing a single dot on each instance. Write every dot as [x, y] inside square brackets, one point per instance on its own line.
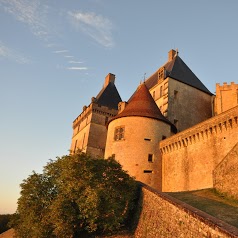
[161, 74]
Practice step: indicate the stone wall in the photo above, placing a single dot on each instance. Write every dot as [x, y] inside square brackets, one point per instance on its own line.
[226, 97]
[89, 129]
[133, 151]
[190, 157]
[163, 216]
[225, 174]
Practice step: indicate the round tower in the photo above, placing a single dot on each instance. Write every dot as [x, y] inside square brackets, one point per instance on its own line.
[133, 137]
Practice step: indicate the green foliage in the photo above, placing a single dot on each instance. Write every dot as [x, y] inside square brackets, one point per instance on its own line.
[5, 222]
[75, 195]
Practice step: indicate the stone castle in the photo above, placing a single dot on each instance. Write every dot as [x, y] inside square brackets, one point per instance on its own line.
[172, 134]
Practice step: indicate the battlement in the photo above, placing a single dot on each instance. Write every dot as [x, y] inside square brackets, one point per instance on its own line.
[201, 131]
[226, 97]
[93, 107]
[226, 86]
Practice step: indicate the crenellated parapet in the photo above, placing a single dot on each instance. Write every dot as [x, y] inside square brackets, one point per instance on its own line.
[104, 110]
[93, 107]
[227, 86]
[226, 97]
[202, 131]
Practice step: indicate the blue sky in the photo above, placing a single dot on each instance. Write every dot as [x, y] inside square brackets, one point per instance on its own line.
[54, 56]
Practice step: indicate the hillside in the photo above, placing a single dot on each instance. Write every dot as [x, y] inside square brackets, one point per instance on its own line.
[7, 234]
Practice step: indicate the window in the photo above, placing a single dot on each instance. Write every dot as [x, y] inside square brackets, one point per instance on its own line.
[75, 146]
[161, 91]
[161, 73]
[175, 94]
[153, 94]
[150, 158]
[83, 140]
[148, 171]
[147, 139]
[119, 133]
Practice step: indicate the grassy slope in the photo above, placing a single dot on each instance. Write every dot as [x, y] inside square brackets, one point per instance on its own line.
[215, 204]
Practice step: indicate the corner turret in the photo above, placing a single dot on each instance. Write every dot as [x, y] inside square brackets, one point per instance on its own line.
[134, 134]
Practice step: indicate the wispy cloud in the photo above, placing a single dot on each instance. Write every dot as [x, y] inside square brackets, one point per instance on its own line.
[75, 62]
[30, 12]
[60, 51]
[77, 68]
[97, 27]
[6, 52]
[69, 56]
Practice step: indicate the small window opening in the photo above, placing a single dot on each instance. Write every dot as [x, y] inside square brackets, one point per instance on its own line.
[147, 139]
[75, 146]
[150, 158]
[175, 94]
[148, 171]
[161, 91]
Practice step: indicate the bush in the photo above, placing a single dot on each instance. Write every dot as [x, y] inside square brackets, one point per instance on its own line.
[4, 222]
[75, 195]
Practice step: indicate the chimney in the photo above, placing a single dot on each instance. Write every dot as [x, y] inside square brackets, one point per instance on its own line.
[108, 79]
[171, 54]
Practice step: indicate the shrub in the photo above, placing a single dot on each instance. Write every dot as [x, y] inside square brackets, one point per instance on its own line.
[75, 195]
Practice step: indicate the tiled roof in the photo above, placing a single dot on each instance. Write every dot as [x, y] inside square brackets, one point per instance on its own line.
[179, 71]
[109, 96]
[143, 105]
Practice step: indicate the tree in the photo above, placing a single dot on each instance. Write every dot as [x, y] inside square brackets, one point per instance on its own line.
[4, 222]
[75, 195]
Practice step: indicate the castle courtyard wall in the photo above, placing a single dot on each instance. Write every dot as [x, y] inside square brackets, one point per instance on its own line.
[190, 157]
[165, 217]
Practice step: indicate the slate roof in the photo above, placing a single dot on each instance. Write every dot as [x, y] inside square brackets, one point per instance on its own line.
[109, 96]
[143, 105]
[179, 71]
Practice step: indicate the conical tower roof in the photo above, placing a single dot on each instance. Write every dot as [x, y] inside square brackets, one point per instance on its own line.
[142, 104]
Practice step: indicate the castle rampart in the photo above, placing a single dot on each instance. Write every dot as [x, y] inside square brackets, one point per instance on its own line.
[163, 216]
[190, 157]
[202, 131]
